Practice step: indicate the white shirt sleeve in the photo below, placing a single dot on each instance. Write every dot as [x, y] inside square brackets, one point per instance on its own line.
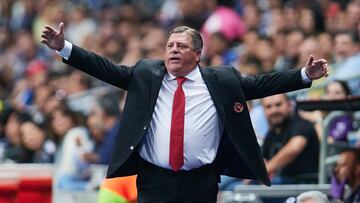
[304, 76]
[66, 51]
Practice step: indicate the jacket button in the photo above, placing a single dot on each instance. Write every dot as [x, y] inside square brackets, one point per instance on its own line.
[131, 147]
[144, 128]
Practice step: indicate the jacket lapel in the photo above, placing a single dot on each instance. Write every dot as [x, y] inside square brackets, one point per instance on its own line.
[213, 84]
[156, 80]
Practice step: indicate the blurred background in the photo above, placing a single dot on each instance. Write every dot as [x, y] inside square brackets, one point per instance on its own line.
[57, 125]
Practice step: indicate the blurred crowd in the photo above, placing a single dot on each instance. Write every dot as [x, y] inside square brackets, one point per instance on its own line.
[50, 113]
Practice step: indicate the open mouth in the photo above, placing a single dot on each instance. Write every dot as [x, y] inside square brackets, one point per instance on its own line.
[174, 59]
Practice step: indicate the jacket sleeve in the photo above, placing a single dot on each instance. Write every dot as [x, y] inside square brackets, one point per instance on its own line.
[100, 67]
[264, 85]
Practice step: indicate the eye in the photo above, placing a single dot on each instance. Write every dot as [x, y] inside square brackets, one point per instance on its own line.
[182, 46]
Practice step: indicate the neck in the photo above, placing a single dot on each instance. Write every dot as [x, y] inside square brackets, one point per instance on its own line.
[279, 128]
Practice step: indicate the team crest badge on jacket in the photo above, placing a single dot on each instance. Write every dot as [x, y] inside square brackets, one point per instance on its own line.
[238, 107]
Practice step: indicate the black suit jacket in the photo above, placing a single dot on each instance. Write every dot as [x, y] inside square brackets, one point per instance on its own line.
[238, 154]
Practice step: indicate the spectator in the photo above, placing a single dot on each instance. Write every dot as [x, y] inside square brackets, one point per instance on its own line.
[81, 25]
[293, 41]
[340, 125]
[353, 14]
[291, 147]
[347, 172]
[36, 147]
[347, 55]
[226, 21]
[312, 197]
[72, 141]
[265, 54]
[12, 142]
[77, 91]
[219, 50]
[346, 45]
[103, 122]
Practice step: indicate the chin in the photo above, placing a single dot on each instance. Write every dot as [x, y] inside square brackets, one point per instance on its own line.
[175, 70]
[276, 123]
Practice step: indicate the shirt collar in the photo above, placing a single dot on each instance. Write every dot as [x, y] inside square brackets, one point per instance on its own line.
[192, 76]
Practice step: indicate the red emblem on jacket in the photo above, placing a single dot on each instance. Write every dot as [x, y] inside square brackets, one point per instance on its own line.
[238, 107]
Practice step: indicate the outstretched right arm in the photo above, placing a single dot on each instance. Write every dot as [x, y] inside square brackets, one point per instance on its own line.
[91, 63]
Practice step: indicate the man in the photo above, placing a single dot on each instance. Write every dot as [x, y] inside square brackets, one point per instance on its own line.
[347, 56]
[291, 147]
[104, 124]
[312, 197]
[183, 125]
[347, 171]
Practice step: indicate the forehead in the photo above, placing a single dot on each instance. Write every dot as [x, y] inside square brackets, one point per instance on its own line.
[183, 37]
[274, 99]
[346, 157]
[343, 37]
[334, 86]
[28, 126]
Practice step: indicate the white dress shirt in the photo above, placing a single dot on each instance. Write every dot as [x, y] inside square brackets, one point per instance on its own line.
[202, 127]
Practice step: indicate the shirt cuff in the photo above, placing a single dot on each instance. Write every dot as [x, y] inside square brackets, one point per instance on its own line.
[66, 51]
[304, 76]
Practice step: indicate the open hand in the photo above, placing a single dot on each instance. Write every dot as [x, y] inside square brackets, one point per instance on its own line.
[54, 39]
[316, 69]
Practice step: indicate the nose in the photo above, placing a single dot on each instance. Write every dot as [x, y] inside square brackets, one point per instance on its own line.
[272, 110]
[174, 49]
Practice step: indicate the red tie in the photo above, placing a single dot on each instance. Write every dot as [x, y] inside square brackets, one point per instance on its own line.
[176, 159]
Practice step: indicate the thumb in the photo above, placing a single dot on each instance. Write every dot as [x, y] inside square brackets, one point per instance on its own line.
[61, 28]
[310, 60]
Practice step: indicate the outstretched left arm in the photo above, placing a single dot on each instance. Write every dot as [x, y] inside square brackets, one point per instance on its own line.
[281, 82]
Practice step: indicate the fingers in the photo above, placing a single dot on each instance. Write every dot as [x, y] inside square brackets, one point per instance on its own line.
[44, 41]
[310, 60]
[320, 62]
[47, 32]
[50, 29]
[45, 36]
[61, 28]
[326, 70]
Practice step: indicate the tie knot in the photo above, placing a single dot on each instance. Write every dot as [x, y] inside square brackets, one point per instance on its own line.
[180, 80]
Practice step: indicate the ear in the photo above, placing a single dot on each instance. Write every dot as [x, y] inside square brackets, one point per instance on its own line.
[198, 56]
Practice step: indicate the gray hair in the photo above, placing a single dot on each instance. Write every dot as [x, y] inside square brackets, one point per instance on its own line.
[316, 196]
[194, 34]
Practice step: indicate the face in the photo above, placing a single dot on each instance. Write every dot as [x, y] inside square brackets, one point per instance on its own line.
[32, 136]
[277, 109]
[293, 42]
[344, 46]
[180, 57]
[307, 21]
[308, 46]
[345, 166]
[335, 91]
[61, 123]
[96, 124]
[12, 131]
